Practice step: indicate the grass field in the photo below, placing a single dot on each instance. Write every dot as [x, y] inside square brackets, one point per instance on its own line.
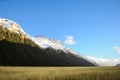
[59, 73]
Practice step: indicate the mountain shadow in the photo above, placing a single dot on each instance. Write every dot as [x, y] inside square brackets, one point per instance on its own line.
[18, 54]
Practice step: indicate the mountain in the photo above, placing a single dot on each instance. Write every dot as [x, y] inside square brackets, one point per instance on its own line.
[19, 49]
[103, 61]
[45, 42]
[118, 64]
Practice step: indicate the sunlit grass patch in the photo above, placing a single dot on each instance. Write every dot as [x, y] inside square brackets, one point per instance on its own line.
[59, 73]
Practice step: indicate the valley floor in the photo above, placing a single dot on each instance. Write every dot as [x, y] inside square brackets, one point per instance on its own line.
[59, 73]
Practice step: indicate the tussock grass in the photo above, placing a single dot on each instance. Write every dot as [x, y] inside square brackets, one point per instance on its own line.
[59, 73]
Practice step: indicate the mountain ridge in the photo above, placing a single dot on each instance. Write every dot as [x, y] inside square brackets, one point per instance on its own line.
[17, 48]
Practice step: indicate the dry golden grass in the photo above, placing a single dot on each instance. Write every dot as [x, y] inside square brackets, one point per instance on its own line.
[59, 73]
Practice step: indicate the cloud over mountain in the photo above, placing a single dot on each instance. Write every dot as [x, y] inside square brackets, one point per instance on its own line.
[103, 61]
[69, 40]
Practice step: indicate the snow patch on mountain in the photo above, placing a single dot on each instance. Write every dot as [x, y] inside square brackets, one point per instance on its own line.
[11, 25]
[45, 42]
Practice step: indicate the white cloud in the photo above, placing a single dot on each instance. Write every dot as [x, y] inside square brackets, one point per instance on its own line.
[104, 62]
[69, 40]
[117, 49]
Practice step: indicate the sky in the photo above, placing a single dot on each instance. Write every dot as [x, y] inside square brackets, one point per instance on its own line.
[90, 27]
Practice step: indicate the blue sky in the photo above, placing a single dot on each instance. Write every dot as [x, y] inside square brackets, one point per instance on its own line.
[92, 25]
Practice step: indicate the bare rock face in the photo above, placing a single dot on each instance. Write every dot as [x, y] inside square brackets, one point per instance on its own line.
[11, 31]
[2, 33]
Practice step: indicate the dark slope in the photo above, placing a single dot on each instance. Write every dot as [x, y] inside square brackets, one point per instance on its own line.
[17, 54]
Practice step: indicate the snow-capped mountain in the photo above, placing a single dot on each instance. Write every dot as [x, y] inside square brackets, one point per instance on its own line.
[45, 42]
[42, 41]
[17, 48]
[11, 31]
